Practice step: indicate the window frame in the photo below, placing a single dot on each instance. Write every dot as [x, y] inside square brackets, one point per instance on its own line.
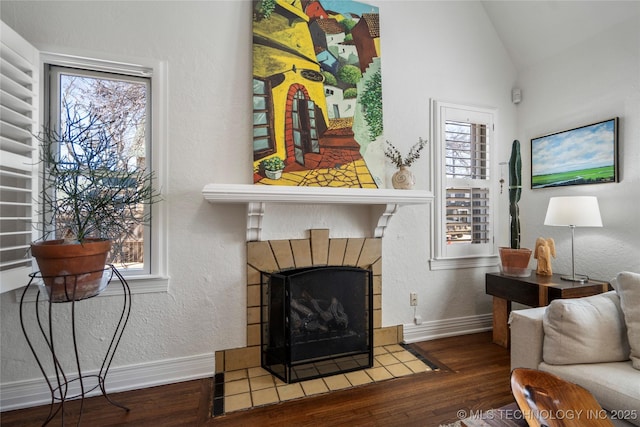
[157, 280]
[471, 255]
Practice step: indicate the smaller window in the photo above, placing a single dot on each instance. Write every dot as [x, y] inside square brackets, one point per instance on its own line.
[464, 191]
[466, 160]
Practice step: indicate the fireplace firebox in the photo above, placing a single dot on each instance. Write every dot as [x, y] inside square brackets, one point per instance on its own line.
[316, 321]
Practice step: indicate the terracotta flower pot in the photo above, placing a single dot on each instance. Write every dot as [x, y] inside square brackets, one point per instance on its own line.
[515, 262]
[71, 271]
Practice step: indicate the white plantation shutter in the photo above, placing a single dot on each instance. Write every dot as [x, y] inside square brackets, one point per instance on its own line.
[464, 234]
[468, 215]
[467, 178]
[18, 156]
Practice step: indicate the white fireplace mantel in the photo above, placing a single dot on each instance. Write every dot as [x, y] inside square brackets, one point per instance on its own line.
[257, 196]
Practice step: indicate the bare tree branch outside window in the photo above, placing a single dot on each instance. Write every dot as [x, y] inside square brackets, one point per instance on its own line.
[119, 108]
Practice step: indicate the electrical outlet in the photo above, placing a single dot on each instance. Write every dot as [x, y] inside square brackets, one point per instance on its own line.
[413, 299]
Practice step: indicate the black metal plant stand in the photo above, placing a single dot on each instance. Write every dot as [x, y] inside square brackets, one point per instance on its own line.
[57, 380]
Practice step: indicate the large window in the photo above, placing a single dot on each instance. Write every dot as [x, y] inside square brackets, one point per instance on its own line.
[38, 88]
[464, 137]
[120, 105]
[130, 99]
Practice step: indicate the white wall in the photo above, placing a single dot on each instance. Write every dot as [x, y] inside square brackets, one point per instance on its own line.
[446, 51]
[207, 46]
[208, 49]
[591, 82]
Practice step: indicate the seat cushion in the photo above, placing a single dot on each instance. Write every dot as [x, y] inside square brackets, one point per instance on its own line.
[616, 385]
[585, 330]
[627, 285]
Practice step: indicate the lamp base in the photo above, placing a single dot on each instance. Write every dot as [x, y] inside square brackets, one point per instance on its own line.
[576, 278]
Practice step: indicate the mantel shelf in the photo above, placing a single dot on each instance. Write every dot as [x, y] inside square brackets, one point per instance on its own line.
[256, 196]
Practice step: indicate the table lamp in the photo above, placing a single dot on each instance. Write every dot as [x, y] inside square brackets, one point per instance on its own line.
[572, 212]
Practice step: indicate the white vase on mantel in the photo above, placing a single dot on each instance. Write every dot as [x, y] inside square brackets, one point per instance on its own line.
[403, 179]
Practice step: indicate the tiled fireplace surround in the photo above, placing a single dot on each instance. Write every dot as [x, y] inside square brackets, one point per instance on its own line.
[316, 250]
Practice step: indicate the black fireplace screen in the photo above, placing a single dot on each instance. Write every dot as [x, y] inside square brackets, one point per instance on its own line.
[316, 322]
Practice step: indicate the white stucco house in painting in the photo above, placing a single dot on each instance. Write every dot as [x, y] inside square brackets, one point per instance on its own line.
[337, 106]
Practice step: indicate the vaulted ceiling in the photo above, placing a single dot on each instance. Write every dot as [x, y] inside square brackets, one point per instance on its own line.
[534, 30]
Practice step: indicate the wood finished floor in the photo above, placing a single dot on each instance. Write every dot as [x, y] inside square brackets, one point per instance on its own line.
[474, 375]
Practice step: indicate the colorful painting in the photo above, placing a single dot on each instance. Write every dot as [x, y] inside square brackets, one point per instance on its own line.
[585, 155]
[317, 94]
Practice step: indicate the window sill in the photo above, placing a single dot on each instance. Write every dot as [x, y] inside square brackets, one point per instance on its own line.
[138, 285]
[464, 262]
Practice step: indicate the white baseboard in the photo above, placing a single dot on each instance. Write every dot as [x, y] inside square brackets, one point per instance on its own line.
[35, 392]
[447, 328]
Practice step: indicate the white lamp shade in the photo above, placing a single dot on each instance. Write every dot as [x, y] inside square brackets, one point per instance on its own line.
[578, 211]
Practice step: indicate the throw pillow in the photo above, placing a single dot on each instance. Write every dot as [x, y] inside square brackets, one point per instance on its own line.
[585, 330]
[627, 285]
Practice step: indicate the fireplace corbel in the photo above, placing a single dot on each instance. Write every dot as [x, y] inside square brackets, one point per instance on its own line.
[257, 196]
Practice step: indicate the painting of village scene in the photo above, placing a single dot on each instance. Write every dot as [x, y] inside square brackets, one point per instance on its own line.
[317, 94]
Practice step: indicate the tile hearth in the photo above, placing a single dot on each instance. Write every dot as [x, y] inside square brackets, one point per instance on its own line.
[240, 382]
[252, 387]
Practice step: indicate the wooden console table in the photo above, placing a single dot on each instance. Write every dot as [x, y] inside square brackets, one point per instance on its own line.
[534, 291]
